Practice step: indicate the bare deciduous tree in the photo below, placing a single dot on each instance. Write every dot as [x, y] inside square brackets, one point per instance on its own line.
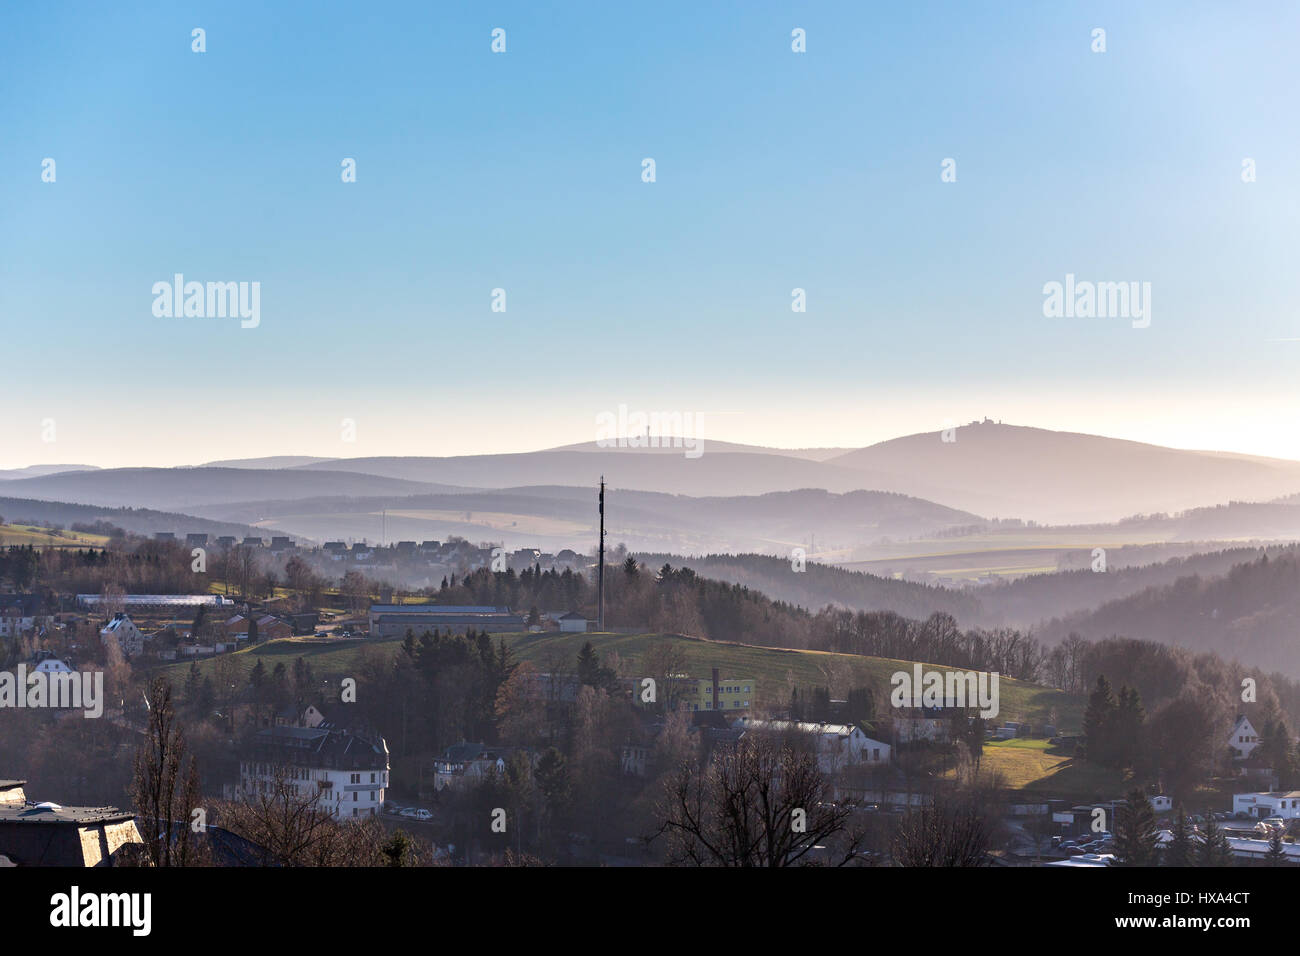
[761, 803]
[951, 832]
[165, 801]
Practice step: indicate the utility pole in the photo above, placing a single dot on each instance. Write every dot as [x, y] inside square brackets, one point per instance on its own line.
[600, 573]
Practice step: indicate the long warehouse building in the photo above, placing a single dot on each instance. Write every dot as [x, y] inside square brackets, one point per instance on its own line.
[393, 620]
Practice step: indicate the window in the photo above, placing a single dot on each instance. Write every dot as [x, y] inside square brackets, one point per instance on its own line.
[372, 778]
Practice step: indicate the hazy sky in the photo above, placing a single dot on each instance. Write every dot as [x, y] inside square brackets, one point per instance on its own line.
[522, 171]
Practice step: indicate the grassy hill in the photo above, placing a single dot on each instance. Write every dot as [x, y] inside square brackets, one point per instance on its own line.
[18, 534]
[775, 670]
[1037, 768]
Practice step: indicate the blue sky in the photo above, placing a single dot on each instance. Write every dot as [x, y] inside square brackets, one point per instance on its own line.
[522, 170]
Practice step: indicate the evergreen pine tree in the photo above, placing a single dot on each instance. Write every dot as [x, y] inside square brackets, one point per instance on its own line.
[1180, 851]
[1276, 854]
[1214, 851]
[1128, 729]
[1136, 832]
[1098, 723]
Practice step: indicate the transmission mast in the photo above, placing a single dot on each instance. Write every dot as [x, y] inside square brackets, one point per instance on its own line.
[600, 573]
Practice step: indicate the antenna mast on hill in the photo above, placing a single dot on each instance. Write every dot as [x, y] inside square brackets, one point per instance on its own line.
[600, 573]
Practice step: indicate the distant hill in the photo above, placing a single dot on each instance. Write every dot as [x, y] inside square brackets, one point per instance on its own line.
[553, 517]
[666, 448]
[1248, 614]
[819, 585]
[182, 489]
[1276, 520]
[141, 521]
[1065, 477]
[275, 461]
[990, 469]
[1026, 601]
[714, 473]
[36, 471]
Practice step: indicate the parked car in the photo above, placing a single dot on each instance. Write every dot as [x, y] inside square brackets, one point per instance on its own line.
[423, 814]
[408, 812]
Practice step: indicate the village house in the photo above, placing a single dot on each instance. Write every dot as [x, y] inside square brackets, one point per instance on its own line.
[272, 628]
[839, 746]
[1284, 804]
[21, 614]
[573, 622]
[1244, 738]
[466, 764]
[123, 630]
[347, 771]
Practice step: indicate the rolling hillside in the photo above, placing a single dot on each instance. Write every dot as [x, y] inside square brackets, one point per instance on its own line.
[1065, 477]
[773, 669]
[141, 521]
[557, 517]
[820, 585]
[181, 489]
[1249, 614]
[714, 473]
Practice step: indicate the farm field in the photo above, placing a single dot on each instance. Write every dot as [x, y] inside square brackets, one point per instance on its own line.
[1006, 553]
[22, 535]
[1032, 765]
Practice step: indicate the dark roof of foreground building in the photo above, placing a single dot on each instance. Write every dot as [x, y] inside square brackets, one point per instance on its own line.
[223, 847]
[47, 834]
[44, 813]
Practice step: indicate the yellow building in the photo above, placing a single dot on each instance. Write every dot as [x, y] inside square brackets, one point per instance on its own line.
[734, 694]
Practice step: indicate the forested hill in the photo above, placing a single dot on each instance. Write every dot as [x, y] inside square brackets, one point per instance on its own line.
[1252, 613]
[819, 585]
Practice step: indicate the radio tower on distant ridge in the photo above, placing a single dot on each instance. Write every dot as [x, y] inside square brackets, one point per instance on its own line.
[600, 572]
